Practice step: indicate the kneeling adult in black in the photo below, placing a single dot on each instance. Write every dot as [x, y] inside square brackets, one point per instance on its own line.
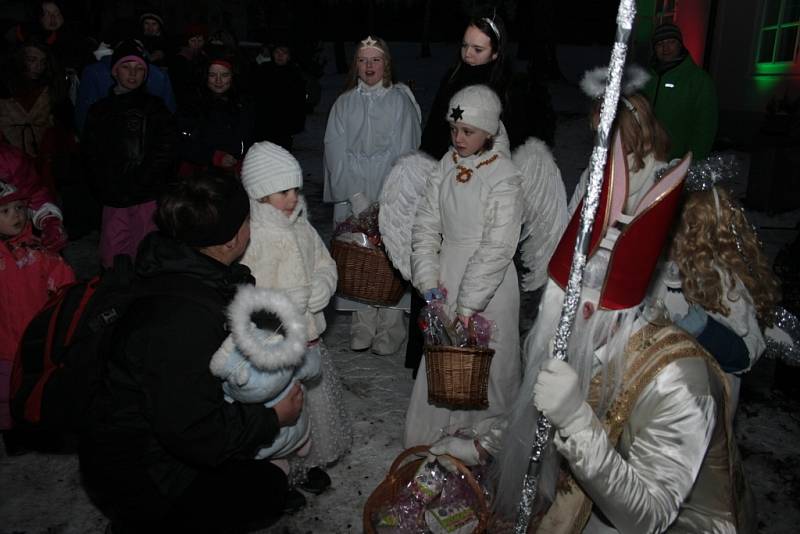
[166, 452]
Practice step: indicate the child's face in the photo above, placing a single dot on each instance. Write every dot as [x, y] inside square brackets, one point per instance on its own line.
[219, 78]
[467, 140]
[130, 75]
[35, 62]
[151, 27]
[13, 217]
[281, 56]
[285, 201]
[371, 65]
[476, 48]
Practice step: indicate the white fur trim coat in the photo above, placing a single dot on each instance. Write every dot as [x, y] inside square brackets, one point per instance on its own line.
[287, 253]
[262, 366]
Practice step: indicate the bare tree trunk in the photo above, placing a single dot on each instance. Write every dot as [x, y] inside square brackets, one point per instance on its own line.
[371, 16]
[425, 49]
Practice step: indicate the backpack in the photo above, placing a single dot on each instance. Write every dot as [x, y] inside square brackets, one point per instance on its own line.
[58, 368]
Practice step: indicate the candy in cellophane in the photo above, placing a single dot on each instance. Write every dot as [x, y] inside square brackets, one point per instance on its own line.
[435, 501]
[361, 229]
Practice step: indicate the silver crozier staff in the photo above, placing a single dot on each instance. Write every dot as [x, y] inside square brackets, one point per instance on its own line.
[625, 16]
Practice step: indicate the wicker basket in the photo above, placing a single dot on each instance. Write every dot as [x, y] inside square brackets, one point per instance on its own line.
[458, 377]
[401, 473]
[366, 274]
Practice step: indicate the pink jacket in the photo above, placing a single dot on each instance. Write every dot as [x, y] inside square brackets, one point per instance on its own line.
[18, 170]
[29, 274]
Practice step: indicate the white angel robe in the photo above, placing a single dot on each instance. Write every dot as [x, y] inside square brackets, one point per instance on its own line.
[368, 128]
[464, 238]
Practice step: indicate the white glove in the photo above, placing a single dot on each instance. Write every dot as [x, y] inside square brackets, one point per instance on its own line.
[462, 448]
[556, 395]
[299, 296]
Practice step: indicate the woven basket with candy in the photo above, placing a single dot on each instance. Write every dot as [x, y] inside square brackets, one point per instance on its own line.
[421, 496]
[457, 359]
[365, 272]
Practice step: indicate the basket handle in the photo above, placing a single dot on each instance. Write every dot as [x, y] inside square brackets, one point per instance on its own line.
[483, 517]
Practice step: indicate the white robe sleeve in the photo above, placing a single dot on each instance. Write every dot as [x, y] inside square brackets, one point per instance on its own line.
[668, 433]
[487, 266]
[324, 277]
[426, 236]
[337, 188]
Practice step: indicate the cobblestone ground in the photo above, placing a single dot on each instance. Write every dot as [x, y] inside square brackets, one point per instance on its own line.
[42, 493]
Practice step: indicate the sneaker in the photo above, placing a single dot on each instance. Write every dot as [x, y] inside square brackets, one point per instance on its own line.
[294, 501]
[316, 481]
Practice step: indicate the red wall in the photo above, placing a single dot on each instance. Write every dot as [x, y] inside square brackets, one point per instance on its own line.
[692, 18]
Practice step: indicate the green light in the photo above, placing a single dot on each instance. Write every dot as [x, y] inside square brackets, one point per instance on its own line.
[773, 69]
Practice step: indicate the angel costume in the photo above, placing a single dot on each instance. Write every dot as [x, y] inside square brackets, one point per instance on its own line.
[368, 128]
[464, 237]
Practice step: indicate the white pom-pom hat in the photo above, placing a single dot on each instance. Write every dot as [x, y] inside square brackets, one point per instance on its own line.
[269, 168]
[478, 106]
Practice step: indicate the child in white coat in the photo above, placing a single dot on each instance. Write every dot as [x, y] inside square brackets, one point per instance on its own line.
[371, 124]
[464, 237]
[285, 252]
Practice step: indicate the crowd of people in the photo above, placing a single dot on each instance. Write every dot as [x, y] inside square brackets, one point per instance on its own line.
[195, 180]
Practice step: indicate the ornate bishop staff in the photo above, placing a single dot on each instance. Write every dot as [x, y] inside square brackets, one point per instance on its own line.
[597, 163]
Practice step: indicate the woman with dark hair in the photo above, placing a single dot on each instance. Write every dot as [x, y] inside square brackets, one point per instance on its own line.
[481, 60]
[216, 125]
[33, 97]
[35, 112]
[47, 23]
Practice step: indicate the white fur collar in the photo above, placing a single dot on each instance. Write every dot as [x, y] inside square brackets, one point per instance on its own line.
[267, 350]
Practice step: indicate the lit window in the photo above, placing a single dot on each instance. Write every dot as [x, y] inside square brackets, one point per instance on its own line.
[666, 10]
[779, 30]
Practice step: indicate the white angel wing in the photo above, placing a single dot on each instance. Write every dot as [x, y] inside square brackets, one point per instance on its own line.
[544, 214]
[400, 196]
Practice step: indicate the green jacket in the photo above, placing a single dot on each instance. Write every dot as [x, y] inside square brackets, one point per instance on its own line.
[685, 101]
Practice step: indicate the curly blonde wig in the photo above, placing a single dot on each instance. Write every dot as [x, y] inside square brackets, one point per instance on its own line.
[705, 241]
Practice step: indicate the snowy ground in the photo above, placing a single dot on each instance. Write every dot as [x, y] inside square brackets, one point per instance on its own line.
[42, 493]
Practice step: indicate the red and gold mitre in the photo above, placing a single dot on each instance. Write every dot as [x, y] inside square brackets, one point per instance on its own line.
[635, 242]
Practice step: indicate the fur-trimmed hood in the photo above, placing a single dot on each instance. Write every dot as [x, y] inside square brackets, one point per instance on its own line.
[267, 350]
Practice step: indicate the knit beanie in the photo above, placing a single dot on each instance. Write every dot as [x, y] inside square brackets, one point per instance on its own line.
[152, 16]
[128, 50]
[667, 31]
[478, 106]
[9, 193]
[269, 168]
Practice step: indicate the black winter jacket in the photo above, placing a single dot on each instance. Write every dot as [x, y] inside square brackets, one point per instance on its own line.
[209, 123]
[162, 413]
[129, 140]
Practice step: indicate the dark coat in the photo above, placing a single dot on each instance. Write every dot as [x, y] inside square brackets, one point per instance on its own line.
[163, 414]
[281, 102]
[209, 123]
[527, 111]
[129, 141]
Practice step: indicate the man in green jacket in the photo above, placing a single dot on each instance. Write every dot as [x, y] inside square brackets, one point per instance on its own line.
[682, 94]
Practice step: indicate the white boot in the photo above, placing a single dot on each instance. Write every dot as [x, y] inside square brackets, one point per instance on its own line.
[391, 331]
[362, 328]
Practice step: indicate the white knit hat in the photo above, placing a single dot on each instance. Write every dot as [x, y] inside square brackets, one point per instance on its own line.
[269, 168]
[478, 106]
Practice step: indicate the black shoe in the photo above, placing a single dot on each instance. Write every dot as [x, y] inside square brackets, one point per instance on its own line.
[294, 501]
[316, 482]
